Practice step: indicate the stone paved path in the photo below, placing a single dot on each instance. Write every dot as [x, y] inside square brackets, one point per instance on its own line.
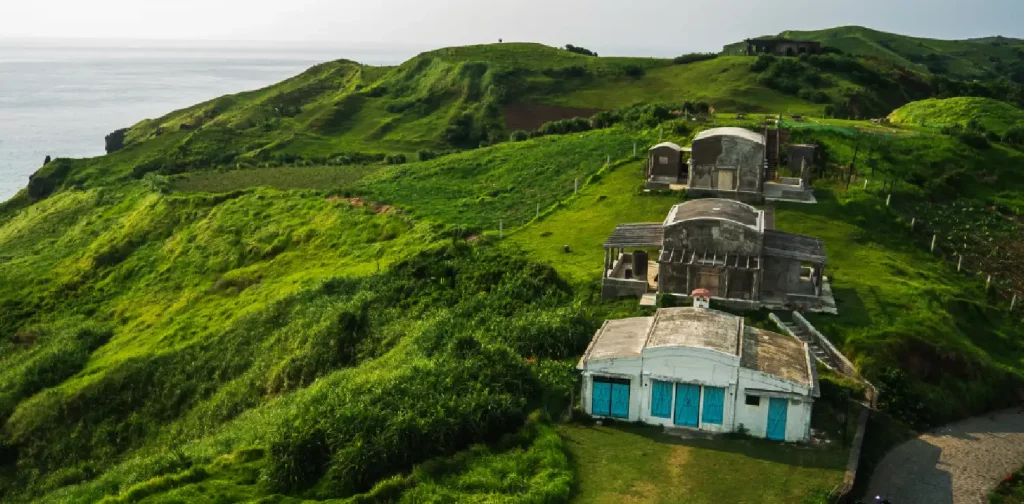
[955, 464]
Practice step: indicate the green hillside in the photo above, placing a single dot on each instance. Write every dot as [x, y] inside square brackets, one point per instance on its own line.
[356, 286]
[982, 58]
[993, 115]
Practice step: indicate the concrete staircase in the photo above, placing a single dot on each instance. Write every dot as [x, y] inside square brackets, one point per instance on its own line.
[816, 350]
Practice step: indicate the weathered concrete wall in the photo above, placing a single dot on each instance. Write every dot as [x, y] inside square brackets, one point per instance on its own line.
[780, 275]
[755, 418]
[615, 288]
[727, 150]
[753, 198]
[623, 369]
[716, 235]
[694, 366]
[664, 162]
[802, 155]
[672, 278]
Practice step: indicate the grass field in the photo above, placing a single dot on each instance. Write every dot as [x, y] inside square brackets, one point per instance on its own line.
[626, 463]
[283, 178]
[993, 115]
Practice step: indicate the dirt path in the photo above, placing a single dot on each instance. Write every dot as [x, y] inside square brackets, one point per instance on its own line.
[956, 464]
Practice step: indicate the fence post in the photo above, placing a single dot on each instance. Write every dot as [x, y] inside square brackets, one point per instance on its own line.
[1013, 301]
[576, 185]
[538, 210]
[888, 199]
[933, 242]
[501, 228]
[987, 282]
[634, 150]
[912, 222]
[865, 184]
[959, 263]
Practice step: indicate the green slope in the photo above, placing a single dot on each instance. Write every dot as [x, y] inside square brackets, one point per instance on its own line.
[993, 115]
[981, 58]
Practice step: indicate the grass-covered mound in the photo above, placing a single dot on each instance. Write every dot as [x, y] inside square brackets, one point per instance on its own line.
[993, 115]
[257, 321]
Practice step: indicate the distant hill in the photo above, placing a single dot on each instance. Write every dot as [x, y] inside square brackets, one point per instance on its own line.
[994, 115]
[980, 58]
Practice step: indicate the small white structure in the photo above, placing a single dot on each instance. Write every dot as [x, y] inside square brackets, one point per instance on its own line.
[703, 369]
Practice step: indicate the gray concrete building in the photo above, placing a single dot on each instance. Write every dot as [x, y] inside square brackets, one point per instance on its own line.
[723, 246]
[729, 163]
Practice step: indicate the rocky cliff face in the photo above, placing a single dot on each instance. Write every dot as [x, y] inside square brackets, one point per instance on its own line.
[115, 140]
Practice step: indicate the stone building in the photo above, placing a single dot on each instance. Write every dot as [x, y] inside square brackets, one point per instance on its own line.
[665, 165]
[781, 47]
[724, 246]
[701, 369]
[729, 163]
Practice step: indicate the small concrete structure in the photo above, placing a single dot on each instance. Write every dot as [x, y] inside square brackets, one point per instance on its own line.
[702, 369]
[724, 247]
[727, 163]
[665, 165]
[781, 47]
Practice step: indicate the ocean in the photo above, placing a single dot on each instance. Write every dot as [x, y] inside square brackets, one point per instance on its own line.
[61, 101]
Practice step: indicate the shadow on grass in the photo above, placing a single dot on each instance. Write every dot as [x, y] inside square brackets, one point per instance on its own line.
[760, 449]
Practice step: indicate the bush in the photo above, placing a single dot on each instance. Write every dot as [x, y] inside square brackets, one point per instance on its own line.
[1014, 135]
[693, 58]
[426, 155]
[574, 125]
[634, 71]
[974, 140]
[579, 50]
[762, 63]
[604, 119]
[519, 136]
[394, 159]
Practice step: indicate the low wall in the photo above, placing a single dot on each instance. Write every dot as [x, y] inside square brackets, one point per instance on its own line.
[842, 493]
[741, 196]
[614, 288]
[845, 366]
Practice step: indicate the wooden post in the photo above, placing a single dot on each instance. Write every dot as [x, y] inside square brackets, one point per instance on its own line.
[634, 150]
[538, 211]
[501, 228]
[934, 236]
[988, 281]
[1013, 301]
[608, 161]
[959, 263]
[865, 184]
[661, 134]
[912, 222]
[888, 199]
[576, 185]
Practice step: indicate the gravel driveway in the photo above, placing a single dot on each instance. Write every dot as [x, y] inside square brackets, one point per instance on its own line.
[955, 464]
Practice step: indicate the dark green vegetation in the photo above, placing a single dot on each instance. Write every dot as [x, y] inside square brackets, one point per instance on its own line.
[299, 292]
[992, 115]
[1010, 490]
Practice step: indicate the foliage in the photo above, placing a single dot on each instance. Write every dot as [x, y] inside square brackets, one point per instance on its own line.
[579, 50]
[989, 114]
[1010, 490]
[693, 57]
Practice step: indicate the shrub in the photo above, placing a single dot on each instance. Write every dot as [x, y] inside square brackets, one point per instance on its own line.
[426, 155]
[634, 71]
[393, 159]
[604, 119]
[579, 50]
[1014, 135]
[974, 140]
[693, 58]
[762, 63]
[519, 136]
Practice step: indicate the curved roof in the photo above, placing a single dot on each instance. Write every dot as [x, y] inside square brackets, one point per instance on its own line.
[715, 208]
[733, 132]
[667, 144]
[696, 328]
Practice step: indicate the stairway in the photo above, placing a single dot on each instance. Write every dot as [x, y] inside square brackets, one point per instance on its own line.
[816, 350]
[772, 153]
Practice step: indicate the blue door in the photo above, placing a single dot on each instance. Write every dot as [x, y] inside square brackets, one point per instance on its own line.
[687, 404]
[620, 400]
[777, 410]
[661, 399]
[714, 405]
[601, 398]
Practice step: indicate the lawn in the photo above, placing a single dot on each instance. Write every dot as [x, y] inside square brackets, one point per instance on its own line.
[627, 463]
[285, 177]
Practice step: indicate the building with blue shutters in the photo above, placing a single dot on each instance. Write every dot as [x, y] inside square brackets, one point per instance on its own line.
[702, 369]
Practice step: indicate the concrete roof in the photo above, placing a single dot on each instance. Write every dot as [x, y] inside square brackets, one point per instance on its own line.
[792, 246]
[714, 208]
[734, 132]
[695, 327]
[667, 144]
[775, 354]
[622, 338]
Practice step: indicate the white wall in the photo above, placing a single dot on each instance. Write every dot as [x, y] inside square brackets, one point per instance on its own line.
[624, 368]
[755, 418]
[689, 365]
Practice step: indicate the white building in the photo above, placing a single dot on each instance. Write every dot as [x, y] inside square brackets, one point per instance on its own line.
[703, 369]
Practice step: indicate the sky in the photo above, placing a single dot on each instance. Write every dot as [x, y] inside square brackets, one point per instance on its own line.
[613, 27]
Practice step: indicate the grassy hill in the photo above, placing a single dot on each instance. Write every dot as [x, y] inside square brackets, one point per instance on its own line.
[982, 58]
[993, 115]
[249, 300]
